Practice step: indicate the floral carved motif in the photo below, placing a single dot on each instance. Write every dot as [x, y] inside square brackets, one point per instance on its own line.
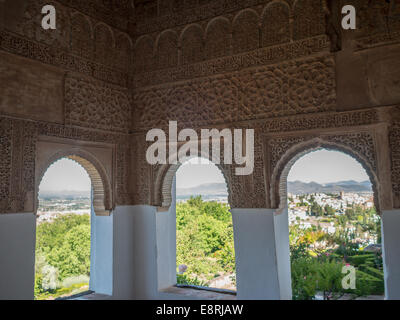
[96, 104]
[295, 87]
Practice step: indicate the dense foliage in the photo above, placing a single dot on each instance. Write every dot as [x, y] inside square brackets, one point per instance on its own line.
[62, 255]
[205, 246]
[204, 241]
[318, 258]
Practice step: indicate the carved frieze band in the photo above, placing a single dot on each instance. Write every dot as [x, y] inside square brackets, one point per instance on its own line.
[115, 13]
[57, 57]
[255, 58]
[378, 22]
[294, 87]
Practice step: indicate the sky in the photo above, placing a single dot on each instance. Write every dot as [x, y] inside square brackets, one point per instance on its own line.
[321, 166]
[65, 175]
[191, 173]
[324, 166]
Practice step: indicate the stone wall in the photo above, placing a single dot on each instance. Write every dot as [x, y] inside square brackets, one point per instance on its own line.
[113, 70]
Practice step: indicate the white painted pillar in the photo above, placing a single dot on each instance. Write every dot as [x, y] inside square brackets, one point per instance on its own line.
[262, 254]
[101, 254]
[17, 256]
[135, 252]
[391, 253]
[166, 244]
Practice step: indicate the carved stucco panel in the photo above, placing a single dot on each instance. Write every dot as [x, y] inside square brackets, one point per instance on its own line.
[94, 104]
[295, 87]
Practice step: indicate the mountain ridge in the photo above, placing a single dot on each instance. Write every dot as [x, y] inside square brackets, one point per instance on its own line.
[294, 187]
[220, 189]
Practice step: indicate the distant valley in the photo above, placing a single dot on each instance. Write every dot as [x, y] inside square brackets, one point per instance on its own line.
[294, 187]
[64, 194]
[350, 186]
[219, 190]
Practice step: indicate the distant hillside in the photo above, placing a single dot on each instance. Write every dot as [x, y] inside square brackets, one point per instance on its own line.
[65, 194]
[220, 190]
[208, 189]
[298, 187]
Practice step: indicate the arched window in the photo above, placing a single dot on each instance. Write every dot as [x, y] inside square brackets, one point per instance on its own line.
[63, 233]
[334, 228]
[74, 227]
[205, 254]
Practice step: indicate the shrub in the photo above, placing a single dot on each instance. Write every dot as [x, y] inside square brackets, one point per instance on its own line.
[357, 260]
[367, 284]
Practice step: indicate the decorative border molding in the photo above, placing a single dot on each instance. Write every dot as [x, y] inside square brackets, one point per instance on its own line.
[256, 58]
[18, 45]
[190, 15]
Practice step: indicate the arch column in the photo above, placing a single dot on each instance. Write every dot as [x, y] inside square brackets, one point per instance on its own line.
[391, 253]
[261, 238]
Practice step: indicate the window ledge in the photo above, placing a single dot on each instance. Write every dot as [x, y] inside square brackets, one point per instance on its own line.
[204, 293]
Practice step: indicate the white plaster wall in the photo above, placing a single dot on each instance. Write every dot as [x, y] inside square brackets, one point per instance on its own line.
[135, 268]
[17, 251]
[391, 253]
[257, 258]
[166, 244]
[281, 226]
[101, 254]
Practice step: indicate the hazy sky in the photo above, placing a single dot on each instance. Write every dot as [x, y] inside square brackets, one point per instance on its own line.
[65, 175]
[325, 166]
[192, 174]
[322, 166]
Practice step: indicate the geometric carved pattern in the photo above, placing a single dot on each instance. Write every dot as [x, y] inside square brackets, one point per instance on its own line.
[141, 171]
[15, 44]
[377, 21]
[17, 162]
[256, 58]
[395, 159]
[29, 25]
[321, 121]
[184, 70]
[295, 87]
[241, 31]
[5, 163]
[76, 33]
[96, 104]
[17, 165]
